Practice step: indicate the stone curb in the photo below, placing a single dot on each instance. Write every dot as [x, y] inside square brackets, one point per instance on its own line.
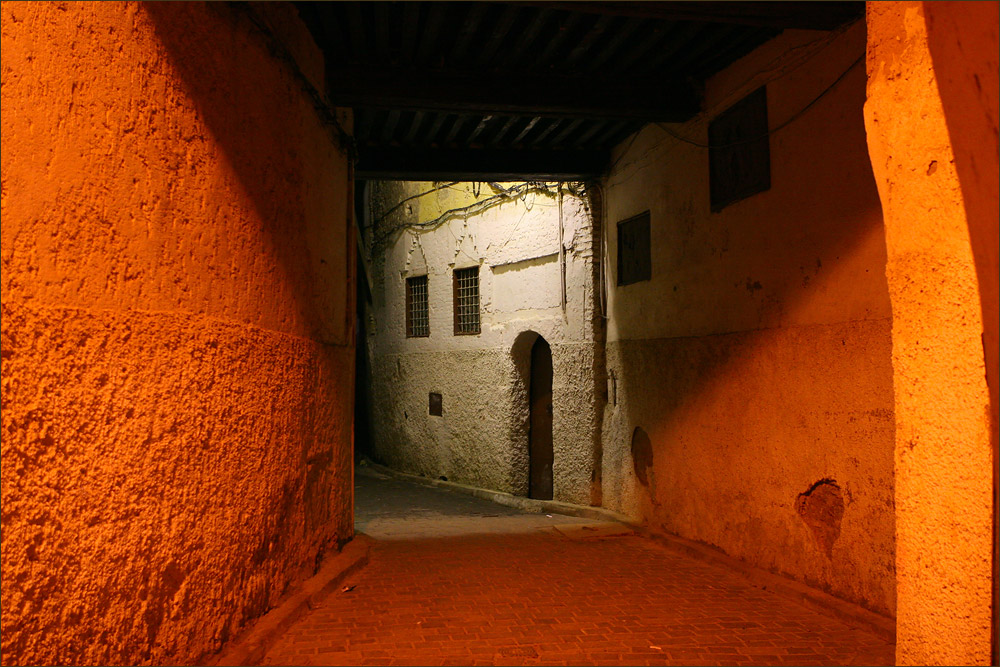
[510, 500]
[250, 646]
[881, 626]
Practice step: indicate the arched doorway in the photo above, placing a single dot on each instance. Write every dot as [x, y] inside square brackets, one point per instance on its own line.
[540, 422]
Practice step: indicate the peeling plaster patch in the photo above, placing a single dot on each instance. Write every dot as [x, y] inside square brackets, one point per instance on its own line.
[822, 508]
[525, 263]
[642, 455]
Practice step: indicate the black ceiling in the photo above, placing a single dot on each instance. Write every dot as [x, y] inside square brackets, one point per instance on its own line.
[529, 90]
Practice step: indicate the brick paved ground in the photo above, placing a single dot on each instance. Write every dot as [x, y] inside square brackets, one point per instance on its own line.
[555, 596]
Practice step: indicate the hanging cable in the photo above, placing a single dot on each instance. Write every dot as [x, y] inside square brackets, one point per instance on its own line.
[773, 130]
[323, 108]
[412, 197]
[502, 196]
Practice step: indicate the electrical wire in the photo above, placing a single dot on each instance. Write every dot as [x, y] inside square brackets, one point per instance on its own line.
[412, 197]
[502, 196]
[785, 70]
[323, 108]
[773, 130]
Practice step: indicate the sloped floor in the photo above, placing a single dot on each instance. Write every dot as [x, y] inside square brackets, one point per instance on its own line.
[457, 580]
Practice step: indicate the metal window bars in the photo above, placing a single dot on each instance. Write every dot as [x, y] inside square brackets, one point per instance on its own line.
[417, 317]
[466, 298]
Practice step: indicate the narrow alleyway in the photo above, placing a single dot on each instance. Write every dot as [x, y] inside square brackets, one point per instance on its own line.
[458, 580]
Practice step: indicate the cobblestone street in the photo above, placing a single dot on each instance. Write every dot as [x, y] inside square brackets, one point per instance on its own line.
[473, 583]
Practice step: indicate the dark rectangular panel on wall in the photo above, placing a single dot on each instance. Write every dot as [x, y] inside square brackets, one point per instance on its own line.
[740, 156]
[634, 263]
[434, 404]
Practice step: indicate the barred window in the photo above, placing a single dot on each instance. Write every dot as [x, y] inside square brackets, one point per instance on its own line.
[466, 291]
[417, 320]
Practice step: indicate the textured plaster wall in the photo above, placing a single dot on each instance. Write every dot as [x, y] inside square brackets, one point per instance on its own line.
[757, 359]
[177, 373]
[482, 436]
[944, 477]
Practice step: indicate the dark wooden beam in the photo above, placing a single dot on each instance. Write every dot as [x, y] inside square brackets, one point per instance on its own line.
[524, 131]
[418, 118]
[455, 128]
[357, 32]
[498, 137]
[436, 123]
[480, 164]
[389, 129]
[637, 48]
[564, 133]
[610, 46]
[465, 33]
[498, 30]
[553, 124]
[363, 125]
[411, 23]
[519, 47]
[781, 15]
[484, 121]
[585, 45]
[649, 99]
[734, 50]
[585, 136]
[435, 18]
[381, 31]
[682, 36]
[559, 32]
[721, 38]
[611, 134]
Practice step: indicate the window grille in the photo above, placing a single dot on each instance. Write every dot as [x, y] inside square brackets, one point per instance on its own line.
[466, 288]
[417, 318]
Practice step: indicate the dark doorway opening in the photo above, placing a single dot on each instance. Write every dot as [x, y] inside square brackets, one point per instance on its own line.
[540, 422]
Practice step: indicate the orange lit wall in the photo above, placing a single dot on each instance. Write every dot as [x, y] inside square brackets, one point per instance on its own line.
[944, 475]
[177, 355]
[757, 359]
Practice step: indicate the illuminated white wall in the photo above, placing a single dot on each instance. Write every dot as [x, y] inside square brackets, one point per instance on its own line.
[481, 438]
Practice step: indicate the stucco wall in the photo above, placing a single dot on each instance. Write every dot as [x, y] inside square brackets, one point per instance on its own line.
[944, 475]
[482, 436]
[757, 358]
[177, 373]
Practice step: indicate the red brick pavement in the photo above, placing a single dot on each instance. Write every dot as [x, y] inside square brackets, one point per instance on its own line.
[543, 598]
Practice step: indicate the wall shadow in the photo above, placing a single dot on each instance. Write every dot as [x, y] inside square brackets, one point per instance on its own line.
[279, 151]
[773, 405]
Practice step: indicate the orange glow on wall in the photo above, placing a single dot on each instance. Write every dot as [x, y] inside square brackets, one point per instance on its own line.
[177, 358]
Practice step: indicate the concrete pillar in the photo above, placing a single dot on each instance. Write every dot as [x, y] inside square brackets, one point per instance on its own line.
[944, 472]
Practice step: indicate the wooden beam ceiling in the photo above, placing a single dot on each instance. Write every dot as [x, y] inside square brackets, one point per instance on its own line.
[822, 15]
[522, 89]
[650, 99]
[440, 164]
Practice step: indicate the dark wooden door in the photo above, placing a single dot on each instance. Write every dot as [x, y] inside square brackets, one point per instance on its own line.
[540, 425]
